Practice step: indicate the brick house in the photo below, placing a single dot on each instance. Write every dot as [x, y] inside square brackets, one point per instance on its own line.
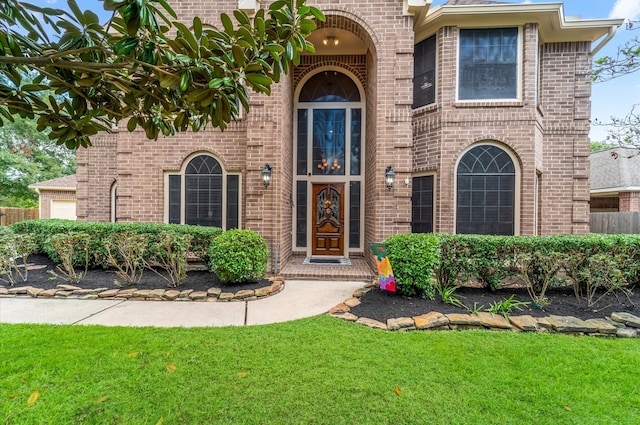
[481, 109]
[615, 180]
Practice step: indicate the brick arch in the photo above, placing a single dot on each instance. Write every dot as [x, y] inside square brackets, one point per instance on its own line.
[341, 17]
[181, 161]
[333, 63]
[491, 139]
[344, 18]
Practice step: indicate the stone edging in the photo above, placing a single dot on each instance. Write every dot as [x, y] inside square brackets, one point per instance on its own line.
[211, 295]
[621, 325]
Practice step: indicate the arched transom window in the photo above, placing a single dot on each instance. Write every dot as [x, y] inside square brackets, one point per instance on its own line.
[486, 192]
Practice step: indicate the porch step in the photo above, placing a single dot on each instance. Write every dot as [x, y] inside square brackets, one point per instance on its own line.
[357, 270]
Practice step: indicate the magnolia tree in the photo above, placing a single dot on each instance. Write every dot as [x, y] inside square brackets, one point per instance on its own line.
[143, 66]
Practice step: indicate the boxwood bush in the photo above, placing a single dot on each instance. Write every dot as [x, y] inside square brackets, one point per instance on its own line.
[239, 256]
[587, 263]
[414, 259]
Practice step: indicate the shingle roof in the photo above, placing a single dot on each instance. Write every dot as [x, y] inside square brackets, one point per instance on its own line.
[615, 169]
[66, 182]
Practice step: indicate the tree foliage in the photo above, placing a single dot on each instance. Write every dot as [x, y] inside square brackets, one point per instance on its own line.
[143, 66]
[27, 156]
[622, 130]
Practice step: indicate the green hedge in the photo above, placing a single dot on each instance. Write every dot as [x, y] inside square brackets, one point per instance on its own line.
[100, 232]
[239, 256]
[414, 259]
[538, 261]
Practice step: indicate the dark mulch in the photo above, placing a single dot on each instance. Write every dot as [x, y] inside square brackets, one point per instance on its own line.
[382, 305]
[40, 266]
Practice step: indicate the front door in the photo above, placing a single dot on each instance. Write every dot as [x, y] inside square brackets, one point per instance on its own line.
[328, 219]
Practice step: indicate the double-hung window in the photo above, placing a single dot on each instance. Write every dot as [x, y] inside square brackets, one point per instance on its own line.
[488, 64]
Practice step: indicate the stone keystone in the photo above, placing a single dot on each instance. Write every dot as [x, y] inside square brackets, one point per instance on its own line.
[570, 324]
[626, 318]
[431, 320]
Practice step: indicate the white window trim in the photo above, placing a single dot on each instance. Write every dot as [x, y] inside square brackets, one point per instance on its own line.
[181, 173]
[519, 67]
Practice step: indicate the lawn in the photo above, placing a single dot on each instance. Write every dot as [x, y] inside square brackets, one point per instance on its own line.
[314, 371]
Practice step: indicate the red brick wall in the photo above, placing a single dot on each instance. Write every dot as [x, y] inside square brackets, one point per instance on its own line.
[629, 201]
[548, 140]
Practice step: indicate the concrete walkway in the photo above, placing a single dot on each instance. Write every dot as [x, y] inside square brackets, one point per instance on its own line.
[298, 299]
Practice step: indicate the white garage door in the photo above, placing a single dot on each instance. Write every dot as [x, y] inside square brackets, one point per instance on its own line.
[63, 209]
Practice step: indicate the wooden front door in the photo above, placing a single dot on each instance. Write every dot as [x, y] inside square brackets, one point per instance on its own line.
[328, 219]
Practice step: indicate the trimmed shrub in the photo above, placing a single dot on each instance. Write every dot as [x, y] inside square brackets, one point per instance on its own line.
[414, 259]
[239, 256]
[100, 233]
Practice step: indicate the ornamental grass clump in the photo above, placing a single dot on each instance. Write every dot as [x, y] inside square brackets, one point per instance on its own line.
[238, 256]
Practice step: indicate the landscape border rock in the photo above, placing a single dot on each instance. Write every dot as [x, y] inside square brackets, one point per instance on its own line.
[621, 325]
[214, 294]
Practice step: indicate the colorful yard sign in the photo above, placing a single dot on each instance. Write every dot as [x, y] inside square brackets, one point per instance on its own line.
[385, 273]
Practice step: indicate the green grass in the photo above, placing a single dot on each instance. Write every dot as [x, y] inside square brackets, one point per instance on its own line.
[313, 371]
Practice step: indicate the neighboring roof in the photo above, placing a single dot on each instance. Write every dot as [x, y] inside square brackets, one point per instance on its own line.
[615, 170]
[553, 25]
[61, 183]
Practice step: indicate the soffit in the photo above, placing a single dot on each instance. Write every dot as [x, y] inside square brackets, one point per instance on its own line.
[553, 25]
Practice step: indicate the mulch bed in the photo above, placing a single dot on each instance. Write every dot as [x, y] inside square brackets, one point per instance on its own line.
[382, 305]
[40, 266]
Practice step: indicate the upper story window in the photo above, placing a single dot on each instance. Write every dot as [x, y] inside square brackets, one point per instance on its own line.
[488, 64]
[424, 72]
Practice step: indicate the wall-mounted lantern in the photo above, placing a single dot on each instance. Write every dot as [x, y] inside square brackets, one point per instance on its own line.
[389, 176]
[266, 175]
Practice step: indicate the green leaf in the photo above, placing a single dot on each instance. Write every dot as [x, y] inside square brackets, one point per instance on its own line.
[131, 125]
[227, 24]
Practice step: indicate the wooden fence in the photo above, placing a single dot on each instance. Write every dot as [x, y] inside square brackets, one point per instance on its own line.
[13, 215]
[614, 222]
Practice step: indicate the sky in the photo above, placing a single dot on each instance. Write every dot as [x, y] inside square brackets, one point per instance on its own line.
[612, 98]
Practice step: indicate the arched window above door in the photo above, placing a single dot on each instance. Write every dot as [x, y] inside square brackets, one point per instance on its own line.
[330, 86]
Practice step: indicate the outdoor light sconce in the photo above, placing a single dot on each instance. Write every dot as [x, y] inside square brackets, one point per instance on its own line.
[266, 175]
[330, 41]
[389, 176]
